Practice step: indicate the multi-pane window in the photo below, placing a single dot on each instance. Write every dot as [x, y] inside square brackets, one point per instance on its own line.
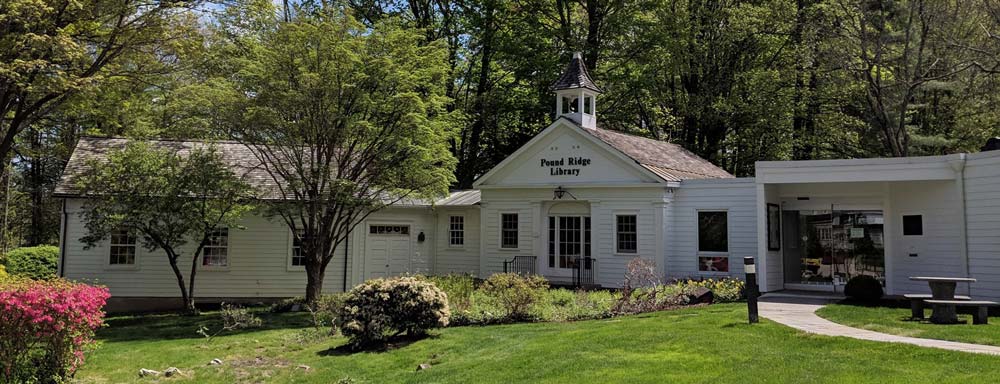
[216, 252]
[298, 258]
[713, 231]
[122, 248]
[456, 230]
[626, 233]
[508, 230]
[389, 230]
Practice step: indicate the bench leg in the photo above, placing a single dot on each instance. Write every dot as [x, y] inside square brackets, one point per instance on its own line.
[980, 316]
[944, 314]
[916, 309]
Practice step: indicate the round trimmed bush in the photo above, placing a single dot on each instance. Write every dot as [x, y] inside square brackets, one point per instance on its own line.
[378, 309]
[36, 263]
[864, 288]
[516, 294]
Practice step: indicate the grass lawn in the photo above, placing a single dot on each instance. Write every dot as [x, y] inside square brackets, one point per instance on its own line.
[700, 345]
[897, 321]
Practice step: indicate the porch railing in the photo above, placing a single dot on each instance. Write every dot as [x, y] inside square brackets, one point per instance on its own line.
[524, 265]
[583, 271]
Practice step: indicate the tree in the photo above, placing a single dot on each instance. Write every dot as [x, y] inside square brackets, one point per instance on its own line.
[346, 119]
[165, 196]
[51, 49]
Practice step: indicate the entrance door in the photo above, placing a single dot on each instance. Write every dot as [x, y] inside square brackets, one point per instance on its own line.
[388, 250]
[569, 241]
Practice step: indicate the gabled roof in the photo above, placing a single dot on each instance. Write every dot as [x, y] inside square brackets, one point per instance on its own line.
[670, 161]
[241, 159]
[575, 76]
[663, 161]
[238, 156]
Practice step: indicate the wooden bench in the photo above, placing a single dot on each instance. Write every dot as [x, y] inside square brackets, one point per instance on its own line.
[917, 303]
[978, 317]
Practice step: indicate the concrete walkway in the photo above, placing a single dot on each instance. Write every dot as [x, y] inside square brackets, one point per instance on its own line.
[799, 313]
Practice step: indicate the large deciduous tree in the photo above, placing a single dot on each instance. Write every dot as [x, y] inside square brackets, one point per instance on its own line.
[346, 118]
[167, 197]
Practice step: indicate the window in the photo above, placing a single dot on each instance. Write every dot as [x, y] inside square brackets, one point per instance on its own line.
[389, 230]
[122, 248]
[298, 259]
[625, 232]
[713, 232]
[588, 107]
[456, 230]
[913, 225]
[508, 230]
[216, 252]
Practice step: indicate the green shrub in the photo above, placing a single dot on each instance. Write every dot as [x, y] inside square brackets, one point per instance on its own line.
[36, 263]
[380, 308]
[459, 289]
[3, 273]
[725, 290]
[515, 294]
[864, 288]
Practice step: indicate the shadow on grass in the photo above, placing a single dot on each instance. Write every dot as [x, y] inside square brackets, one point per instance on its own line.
[394, 343]
[179, 326]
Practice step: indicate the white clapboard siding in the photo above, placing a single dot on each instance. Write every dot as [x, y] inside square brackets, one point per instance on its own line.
[738, 197]
[938, 251]
[457, 259]
[258, 265]
[982, 193]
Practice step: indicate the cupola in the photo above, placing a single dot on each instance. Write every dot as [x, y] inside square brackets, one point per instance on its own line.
[576, 94]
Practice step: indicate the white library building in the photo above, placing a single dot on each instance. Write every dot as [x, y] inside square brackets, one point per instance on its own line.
[577, 202]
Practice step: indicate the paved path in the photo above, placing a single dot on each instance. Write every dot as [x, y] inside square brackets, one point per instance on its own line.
[799, 313]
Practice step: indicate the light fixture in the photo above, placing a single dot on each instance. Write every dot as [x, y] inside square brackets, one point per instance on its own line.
[560, 192]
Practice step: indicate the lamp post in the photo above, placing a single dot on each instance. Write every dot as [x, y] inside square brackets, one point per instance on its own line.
[751, 275]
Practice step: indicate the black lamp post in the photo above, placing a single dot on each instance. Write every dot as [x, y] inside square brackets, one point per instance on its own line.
[751, 271]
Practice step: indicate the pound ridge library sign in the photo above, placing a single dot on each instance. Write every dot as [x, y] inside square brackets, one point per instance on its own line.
[569, 166]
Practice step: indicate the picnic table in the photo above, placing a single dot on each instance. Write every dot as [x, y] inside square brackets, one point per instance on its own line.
[943, 288]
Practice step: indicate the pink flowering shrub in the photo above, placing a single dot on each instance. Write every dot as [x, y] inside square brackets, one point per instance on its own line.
[45, 327]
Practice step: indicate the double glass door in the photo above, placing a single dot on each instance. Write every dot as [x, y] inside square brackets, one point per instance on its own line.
[568, 242]
[831, 246]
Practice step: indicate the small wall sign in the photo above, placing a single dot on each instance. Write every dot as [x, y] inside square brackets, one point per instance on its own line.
[565, 166]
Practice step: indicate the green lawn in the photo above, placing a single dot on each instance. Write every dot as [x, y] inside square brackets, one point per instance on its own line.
[897, 322]
[700, 345]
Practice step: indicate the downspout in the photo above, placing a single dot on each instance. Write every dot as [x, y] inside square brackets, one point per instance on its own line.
[959, 167]
[62, 241]
[347, 244]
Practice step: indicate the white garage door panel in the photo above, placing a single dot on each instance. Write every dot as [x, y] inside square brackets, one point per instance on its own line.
[387, 251]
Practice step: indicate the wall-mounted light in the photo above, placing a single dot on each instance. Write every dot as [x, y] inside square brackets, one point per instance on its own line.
[421, 237]
[560, 192]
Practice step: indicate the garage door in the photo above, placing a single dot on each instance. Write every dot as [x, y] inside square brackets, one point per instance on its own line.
[387, 250]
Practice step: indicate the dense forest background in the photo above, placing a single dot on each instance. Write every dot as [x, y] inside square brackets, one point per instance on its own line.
[733, 81]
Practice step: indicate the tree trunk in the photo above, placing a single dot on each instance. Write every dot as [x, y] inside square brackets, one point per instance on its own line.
[314, 280]
[172, 257]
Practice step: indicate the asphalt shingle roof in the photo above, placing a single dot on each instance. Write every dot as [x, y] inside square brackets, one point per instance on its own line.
[575, 76]
[669, 161]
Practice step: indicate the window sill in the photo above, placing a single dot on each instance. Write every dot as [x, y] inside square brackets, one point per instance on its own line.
[213, 269]
[123, 268]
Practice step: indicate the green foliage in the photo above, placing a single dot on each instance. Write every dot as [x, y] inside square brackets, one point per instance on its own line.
[37, 263]
[459, 289]
[724, 290]
[377, 309]
[864, 288]
[516, 294]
